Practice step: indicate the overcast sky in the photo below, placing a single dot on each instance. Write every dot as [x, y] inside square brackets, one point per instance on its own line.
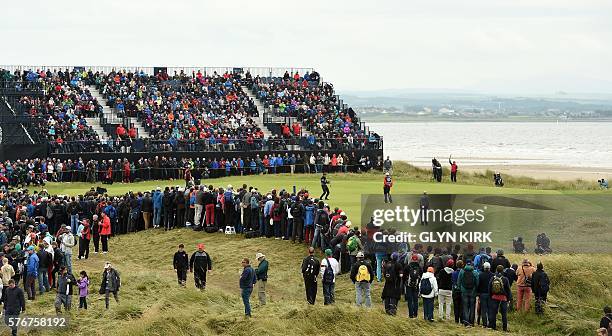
[512, 46]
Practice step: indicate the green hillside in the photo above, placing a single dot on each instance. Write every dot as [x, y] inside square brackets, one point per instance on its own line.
[153, 304]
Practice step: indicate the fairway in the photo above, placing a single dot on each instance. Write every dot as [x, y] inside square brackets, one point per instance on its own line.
[347, 191]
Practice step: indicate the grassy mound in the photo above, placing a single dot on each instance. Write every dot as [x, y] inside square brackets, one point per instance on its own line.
[151, 302]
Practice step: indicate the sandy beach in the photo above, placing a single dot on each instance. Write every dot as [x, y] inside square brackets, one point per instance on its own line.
[555, 172]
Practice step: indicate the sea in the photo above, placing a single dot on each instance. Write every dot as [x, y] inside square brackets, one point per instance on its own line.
[575, 144]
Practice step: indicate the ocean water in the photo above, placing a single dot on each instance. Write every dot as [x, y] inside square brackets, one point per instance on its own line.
[577, 144]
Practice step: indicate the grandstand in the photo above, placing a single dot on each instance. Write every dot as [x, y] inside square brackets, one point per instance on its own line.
[70, 112]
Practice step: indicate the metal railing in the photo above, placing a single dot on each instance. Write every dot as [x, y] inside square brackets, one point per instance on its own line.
[255, 71]
[140, 145]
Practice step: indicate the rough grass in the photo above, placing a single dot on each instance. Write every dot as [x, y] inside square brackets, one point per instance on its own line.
[151, 303]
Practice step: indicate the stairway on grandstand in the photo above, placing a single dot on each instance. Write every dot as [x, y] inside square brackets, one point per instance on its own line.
[111, 116]
[260, 110]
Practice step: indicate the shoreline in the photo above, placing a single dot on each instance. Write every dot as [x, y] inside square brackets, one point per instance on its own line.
[536, 171]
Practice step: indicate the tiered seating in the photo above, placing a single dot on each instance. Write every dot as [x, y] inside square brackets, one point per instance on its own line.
[184, 107]
[316, 106]
[59, 116]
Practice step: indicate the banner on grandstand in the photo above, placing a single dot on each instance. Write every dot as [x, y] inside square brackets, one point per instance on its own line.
[563, 223]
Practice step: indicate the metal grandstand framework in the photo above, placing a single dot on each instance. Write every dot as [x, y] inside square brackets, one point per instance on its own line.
[151, 70]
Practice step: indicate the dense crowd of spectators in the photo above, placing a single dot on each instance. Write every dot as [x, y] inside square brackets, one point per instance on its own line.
[188, 112]
[58, 115]
[39, 171]
[315, 105]
[183, 106]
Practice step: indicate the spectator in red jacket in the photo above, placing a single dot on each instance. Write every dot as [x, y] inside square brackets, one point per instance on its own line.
[105, 232]
[132, 132]
[453, 170]
[120, 131]
[297, 130]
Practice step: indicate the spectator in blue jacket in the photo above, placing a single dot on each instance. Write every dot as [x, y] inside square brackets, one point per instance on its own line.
[157, 207]
[247, 279]
[32, 268]
[309, 215]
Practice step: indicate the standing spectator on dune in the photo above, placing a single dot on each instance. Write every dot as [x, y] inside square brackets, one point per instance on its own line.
[110, 284]
[105, 232]
[500, 293]
[310, 272]
[388, 166]
[262, 277]
[14, 304]
[468, 282]
[32, 272]
[362, 277]
[67, 243]
[524, 274]
[65, 281]
[540, 285]
[247, 279]
[200, 264]
[329, 269]
[180, 263]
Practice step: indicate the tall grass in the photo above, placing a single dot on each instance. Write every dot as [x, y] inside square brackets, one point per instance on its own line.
[151, 302]
[403, 169]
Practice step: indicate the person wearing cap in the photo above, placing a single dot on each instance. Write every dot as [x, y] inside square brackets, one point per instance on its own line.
[412, 278]
[266, 230]
[457, 298]
[65, 282]
[362, 276]
[387, 184]
[428, 298]
[180, 263]
[329, 284]
[247, 279]
[540, 284]
[262, 277]
[468, 282]
[310, 271]
[500, 259]
[445, 286]
[32, 272]
[199, 264]
[524, 275]
[484, 278]
[110, 284]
